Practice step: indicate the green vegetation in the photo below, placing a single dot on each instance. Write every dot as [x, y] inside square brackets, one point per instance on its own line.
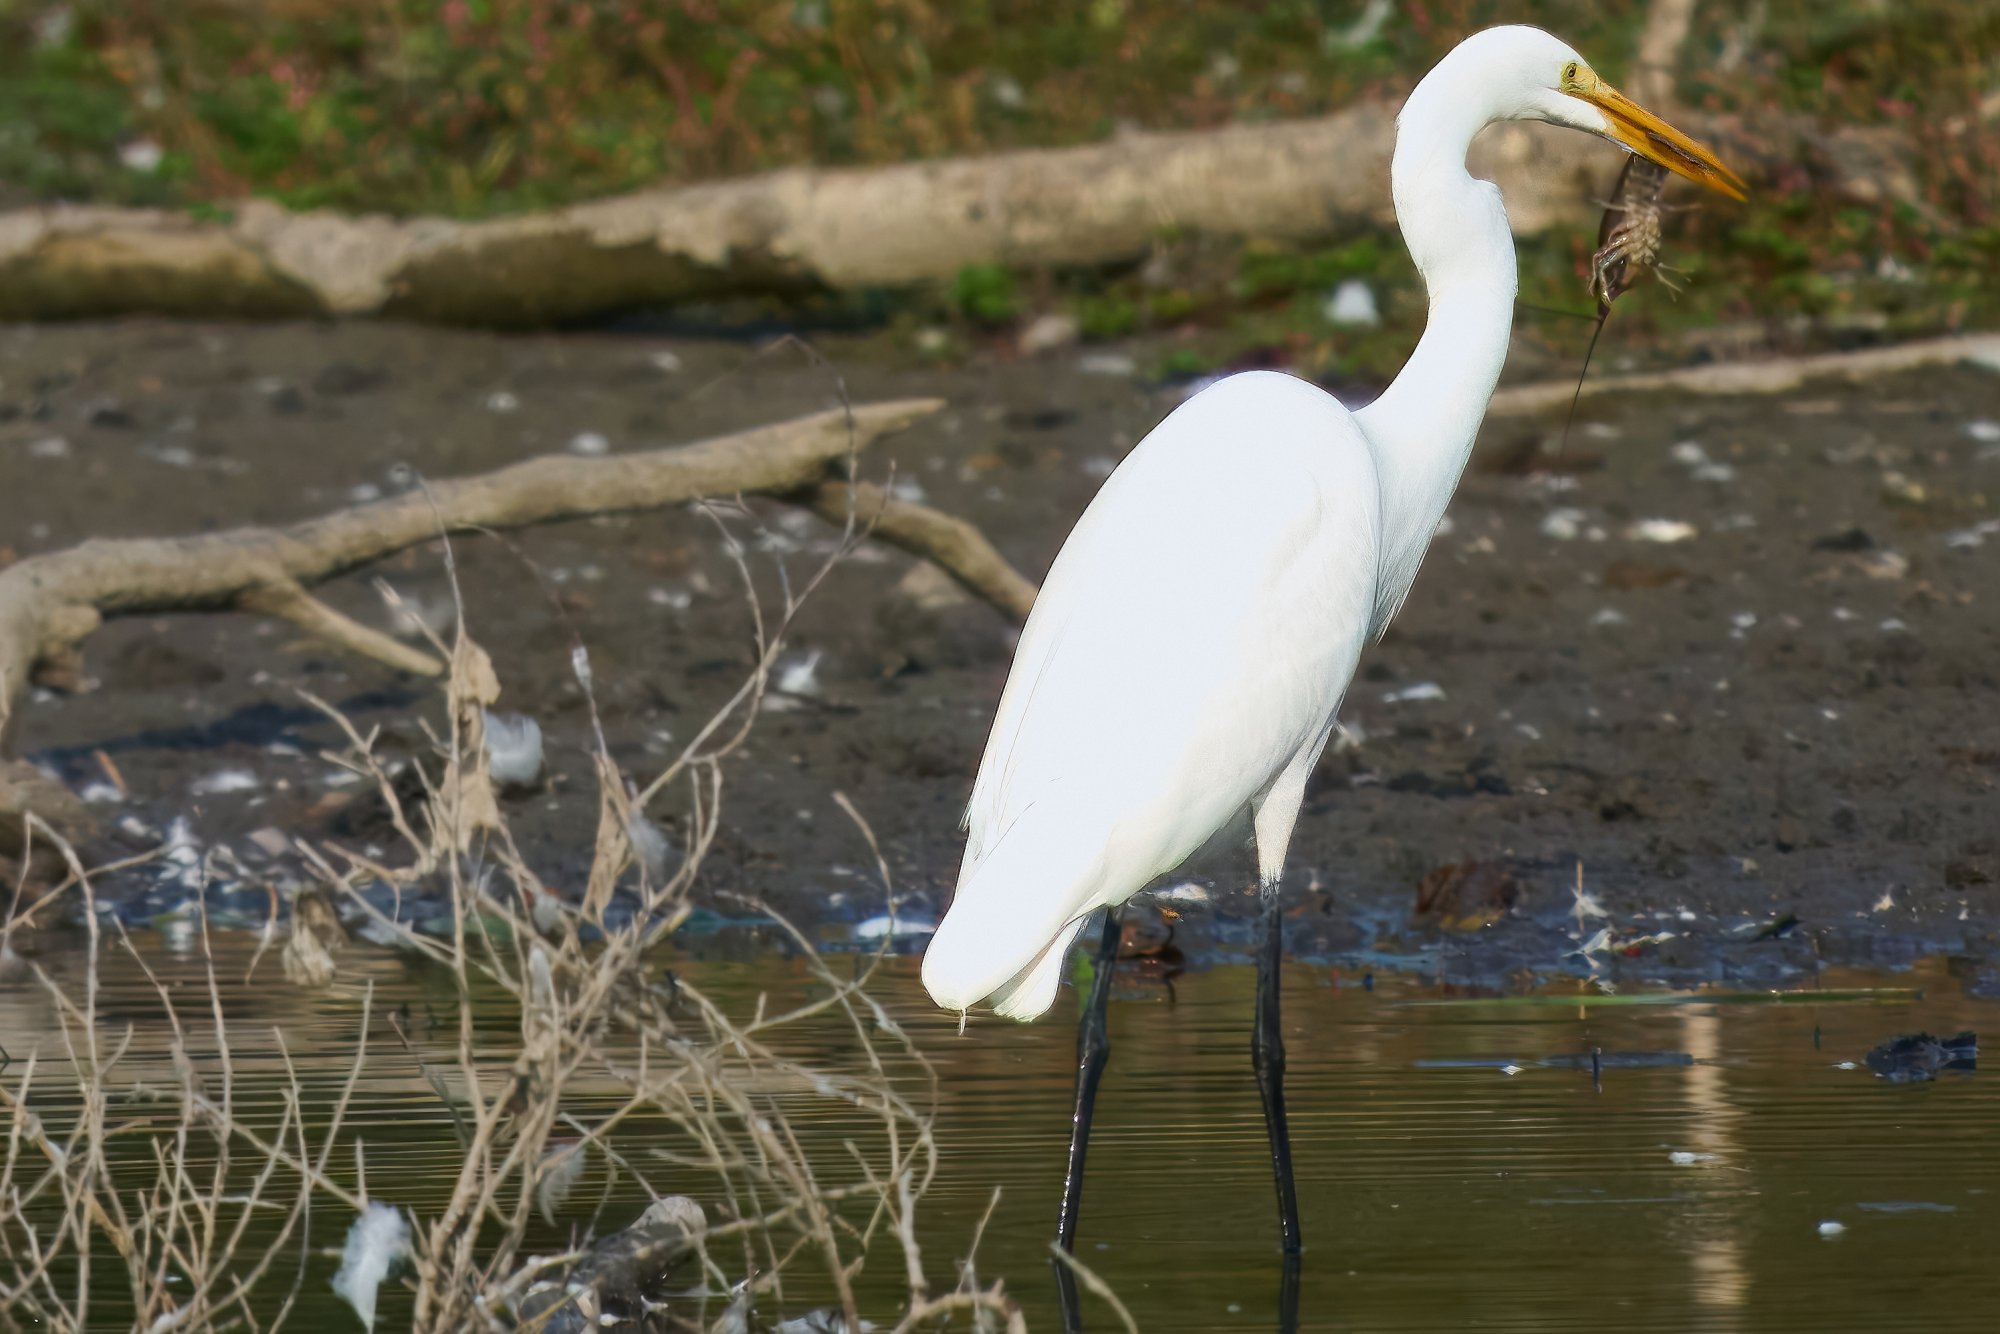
[984, 294]
[477, 107]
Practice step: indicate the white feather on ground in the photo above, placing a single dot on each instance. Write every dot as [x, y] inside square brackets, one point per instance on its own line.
[376, 1244]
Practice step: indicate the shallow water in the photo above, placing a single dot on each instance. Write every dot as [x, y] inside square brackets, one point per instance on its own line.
[1439, 1191]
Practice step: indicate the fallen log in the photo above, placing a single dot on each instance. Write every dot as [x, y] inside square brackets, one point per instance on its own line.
[1776, 376]
[50, 603]
[803, 229]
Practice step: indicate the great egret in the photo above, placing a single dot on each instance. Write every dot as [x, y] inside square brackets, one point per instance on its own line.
[1198, 629]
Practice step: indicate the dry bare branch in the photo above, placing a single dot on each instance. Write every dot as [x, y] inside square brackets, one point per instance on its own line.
[50, 603]
[1758, 377]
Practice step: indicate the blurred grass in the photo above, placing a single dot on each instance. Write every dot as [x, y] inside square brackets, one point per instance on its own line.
[479, 107]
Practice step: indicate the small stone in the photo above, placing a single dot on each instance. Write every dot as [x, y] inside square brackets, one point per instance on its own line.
[1564, 525]
[141, 155]
[1352, 306]
[513, 749]
[1661, 530]
[590, 444]
[1046, 333]
[1688, 454]
[1107, 363]
[1883, 564]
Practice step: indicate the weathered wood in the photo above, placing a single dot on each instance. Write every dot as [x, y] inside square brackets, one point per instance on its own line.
[1775, 376]
[809, 229]
[50, 603]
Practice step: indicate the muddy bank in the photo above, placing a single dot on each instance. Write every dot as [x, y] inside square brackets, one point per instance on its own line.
[1736, 656]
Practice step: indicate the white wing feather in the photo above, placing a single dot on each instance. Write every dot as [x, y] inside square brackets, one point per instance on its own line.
[1196, 632]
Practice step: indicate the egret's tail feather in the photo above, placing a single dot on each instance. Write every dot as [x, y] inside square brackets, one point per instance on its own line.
[1030, 992]
[1012, 921]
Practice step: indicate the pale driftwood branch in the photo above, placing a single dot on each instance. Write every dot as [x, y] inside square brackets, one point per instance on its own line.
[289, 601]
[806, 229]
[1757, 377]
[954, 545]
[50, 603]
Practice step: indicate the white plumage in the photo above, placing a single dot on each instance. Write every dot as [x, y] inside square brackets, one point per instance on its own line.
[1123, 740]
[1192, 642]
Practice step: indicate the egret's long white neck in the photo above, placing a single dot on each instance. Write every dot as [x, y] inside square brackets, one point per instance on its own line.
[1422, 427]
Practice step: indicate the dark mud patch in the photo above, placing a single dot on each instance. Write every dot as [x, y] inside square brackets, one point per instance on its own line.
[1744, 668]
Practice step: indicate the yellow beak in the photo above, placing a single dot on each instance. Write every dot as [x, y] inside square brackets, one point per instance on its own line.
[1653, 139]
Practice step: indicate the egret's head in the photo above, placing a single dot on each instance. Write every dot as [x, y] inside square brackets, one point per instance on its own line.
[1555, 84]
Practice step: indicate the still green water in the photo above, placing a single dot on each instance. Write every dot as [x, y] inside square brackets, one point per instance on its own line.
[1439, 1191]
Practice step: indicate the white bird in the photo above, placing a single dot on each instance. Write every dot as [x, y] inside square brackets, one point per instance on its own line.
[1194, 638]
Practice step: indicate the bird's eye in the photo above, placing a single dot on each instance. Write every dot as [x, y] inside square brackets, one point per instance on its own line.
[1569, 72]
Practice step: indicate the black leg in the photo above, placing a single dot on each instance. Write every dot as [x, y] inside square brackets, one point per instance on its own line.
[1288, 1294]
[1093, 1047]
[1267, 1057]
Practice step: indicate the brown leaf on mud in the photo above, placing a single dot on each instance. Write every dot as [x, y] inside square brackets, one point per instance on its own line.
[1465, 896]
[316, 937]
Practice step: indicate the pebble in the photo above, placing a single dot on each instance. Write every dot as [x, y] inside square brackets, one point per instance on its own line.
[590, 444]
[674, 599]
[1352, 306]
[224, 780]
[1564, 525]
[1688, 454]
[1422, 690]
[513, 749]
[892, 926]
[1046, 333]
[1975, 536]
[1107, 363]
[141, 155]
[1830, 1228]
[1661, 530]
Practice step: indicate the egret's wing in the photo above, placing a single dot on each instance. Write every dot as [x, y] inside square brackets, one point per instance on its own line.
[1195, 633]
